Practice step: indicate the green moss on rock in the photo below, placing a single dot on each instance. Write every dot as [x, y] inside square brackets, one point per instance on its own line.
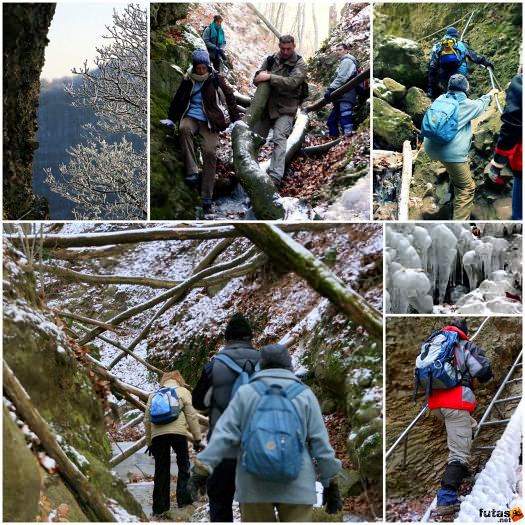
[392, 125]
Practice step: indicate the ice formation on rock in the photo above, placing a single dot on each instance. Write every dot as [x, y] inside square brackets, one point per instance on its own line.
[439, 268]
[498, 486]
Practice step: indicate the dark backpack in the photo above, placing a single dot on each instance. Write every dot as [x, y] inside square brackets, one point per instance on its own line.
[436, 364]
[243, 375]
[305, 90]
[165, 406]
[362, 87]
[273, 441]
[450, 52]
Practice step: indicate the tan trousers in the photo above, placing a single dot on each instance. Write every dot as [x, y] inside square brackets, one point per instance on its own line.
[459, 425]
[282, 127]
[189, 127]
[464, 189]
[258, 512]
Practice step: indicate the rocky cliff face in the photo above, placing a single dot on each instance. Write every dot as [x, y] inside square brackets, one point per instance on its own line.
[427, 447]
[62, 390]
[25, 38]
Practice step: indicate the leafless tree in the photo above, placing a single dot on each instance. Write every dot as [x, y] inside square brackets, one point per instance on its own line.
[108, 180]
[332, 17]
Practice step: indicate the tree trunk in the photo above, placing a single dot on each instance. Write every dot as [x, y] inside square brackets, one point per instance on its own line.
[316, 26]
[406, 177]
[150, 235]
[312, 151]
[88, 497]
[268, 24]
[339, 92]
[114, 461]
[332, 17]
[290, 254]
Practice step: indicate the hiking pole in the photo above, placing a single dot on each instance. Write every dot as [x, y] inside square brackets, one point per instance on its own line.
[491, 75]
[468, 22]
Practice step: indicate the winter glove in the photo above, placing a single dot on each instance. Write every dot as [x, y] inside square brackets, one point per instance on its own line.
[328, 94]
[466, 379]
[149, 450]
[488, 64]
[198, 479]
[167, 122]
[430, 93]
[198, 446]
[332, 498]
[494, 174]
[221, 53]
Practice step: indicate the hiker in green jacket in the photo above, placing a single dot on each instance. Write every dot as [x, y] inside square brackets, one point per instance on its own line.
[215, 41]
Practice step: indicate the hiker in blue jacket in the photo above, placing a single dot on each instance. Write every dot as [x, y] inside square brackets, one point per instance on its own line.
[215, 41]
[259, 498]
[449, 57]
[212, 394]
[454, 154]
[341, 114]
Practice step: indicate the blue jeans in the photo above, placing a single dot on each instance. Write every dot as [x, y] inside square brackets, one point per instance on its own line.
[341, 115]
[517, 197]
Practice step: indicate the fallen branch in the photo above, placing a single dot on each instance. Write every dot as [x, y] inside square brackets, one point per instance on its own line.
[242, 100]
[114, 461]
[338, 93]
[406, 177]
[89, 498]
[320, 149]
[175, 292]
[86, 320]
[217, 249]
[149, 235]
[288, 253]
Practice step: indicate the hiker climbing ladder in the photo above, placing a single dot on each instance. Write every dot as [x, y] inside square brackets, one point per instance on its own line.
[513, 376]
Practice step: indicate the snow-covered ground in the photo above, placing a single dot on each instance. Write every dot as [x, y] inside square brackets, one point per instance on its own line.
[444, 268]
[498, 488]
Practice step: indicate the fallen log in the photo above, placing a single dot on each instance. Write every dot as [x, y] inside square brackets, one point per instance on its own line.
[242, 100]
[338, 93]
[147, 235]
[119, 458]
[288, 253]
[89, 498]
[294, 141]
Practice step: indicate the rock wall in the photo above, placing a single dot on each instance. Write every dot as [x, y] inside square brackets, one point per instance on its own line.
[42, 358]
[25, 38]
[501, 339]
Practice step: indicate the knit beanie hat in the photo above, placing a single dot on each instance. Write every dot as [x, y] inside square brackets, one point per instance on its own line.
[200, 56]
[452, 31]
[238, 328]
[275, 356]
[458, 82]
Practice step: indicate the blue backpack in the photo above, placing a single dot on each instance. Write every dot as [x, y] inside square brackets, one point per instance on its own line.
[436, 365]
[440, 123]
[243, 375]
[165, 406]
[273, 442]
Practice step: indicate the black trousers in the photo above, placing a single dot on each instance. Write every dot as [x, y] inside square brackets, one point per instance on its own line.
[161, 448]
[221, 490]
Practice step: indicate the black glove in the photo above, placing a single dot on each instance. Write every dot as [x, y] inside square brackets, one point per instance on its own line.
[332, 498]
[198, 446]
[149, 451]
[430, 93]
[221, 53]
[327, 94]
[466, 379]
[488, 64]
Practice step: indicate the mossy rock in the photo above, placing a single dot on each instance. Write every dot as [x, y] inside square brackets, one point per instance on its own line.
[350, 482]
[392, 125]
[381, 91]
[402, 60]
[57, 493]
[416, 104]
[397, 89]
[22, 481]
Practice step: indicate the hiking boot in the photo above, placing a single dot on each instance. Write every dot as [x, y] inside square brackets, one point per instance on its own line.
[192, 180]
[447, 510]
[206, 206]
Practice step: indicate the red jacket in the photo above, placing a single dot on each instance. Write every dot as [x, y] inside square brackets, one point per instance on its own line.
[459, 397]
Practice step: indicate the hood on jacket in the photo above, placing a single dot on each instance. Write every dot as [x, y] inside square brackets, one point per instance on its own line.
[461, 334]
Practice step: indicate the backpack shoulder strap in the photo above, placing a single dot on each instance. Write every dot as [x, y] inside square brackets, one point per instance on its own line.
[270, 61]
[259, 386]
[229, 362]
[215, 80]
[294, 390]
